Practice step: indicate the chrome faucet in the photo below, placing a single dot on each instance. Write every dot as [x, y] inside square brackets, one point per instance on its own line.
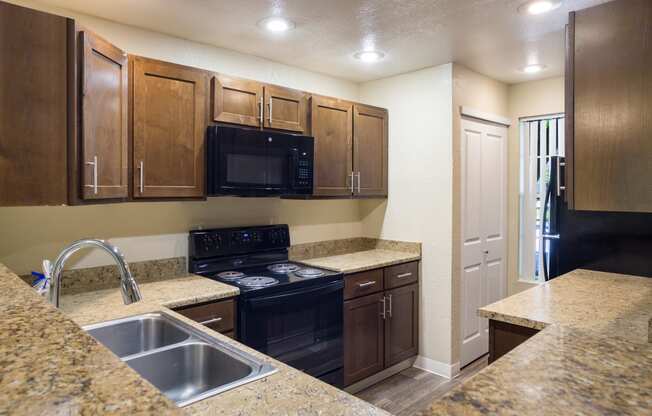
[128, 286]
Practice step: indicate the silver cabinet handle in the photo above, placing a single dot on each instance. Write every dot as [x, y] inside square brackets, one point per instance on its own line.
[352, 181]
[389, 309]
[210, 321]
[270, 111]
[402, 275]
[94, 164]
[367, 284]
[142, 177]
[260, 108]
[384, 312]
[358, 182]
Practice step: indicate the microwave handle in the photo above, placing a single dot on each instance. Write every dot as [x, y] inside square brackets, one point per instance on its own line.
[293, 166]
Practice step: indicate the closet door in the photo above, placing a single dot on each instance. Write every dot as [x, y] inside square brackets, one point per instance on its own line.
[483, 228]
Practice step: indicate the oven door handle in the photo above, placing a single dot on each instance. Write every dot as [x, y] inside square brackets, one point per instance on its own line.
[301, 294]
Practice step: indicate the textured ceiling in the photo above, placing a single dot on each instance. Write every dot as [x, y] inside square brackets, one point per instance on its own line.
[488, 36]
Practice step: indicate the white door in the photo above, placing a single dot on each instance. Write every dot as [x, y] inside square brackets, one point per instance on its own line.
[484, 268]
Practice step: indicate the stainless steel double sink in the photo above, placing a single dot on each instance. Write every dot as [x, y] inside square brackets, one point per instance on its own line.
[186, 364]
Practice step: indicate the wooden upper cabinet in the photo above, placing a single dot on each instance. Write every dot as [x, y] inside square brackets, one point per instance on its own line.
[285, 109]
[33, 106]
[169, 125]
[610, 150]
[332, 128]
[364, 327]
[237, 101]
[402, 324]
[370, 150]
[104, 119]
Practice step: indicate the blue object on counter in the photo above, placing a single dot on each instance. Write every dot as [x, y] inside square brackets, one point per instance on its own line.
[38, 277]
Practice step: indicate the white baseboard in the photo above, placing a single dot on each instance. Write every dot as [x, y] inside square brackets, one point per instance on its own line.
[437, 367]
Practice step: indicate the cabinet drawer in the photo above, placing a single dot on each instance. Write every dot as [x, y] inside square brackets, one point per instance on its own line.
[363, 283]
[401, 274]
[218, 316]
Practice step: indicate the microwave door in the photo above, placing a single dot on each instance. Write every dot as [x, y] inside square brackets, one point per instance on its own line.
[244, 163]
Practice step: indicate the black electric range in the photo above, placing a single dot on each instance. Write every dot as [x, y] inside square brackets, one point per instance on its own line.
[287, 310]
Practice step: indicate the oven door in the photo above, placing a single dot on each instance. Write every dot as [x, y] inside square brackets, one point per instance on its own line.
[302, 328]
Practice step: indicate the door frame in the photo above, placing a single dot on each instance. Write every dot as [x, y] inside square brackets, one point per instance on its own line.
[472, 114]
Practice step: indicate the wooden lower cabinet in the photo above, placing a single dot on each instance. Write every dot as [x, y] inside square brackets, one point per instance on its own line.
[364, 345]
[381, 328]
[504, 337]
[402, 324]
[216, 315]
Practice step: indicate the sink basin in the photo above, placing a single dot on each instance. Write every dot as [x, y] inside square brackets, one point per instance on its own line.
[137, 334]
[190, 370]
[184, 363]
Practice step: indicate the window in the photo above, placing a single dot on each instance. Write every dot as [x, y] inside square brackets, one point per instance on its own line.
[541, 139]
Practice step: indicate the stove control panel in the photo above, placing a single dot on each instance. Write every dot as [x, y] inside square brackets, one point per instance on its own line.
[241, 240]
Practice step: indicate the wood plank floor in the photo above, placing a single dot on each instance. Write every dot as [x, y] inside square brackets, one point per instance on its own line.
[413, 390]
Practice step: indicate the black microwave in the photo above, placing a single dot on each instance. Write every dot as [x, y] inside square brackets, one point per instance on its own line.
[250, 162]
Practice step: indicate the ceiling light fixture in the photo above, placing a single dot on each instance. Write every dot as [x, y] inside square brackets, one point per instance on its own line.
[539, 6]
[533, 69]
[276, 24]
[369, 56]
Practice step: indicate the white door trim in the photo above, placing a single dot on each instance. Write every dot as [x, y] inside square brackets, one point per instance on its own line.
[481, 115]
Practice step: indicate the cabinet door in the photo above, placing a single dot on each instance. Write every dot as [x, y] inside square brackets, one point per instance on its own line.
[286, 109]
[332, 128]
[370, 150]
[612, 155]
[402, 324]
[363, 337]
[169, 106]
[237, 101]
[33, 106]
[104, 119]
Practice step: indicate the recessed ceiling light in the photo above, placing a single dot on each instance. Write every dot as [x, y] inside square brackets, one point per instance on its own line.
[539, 6]
[533, 69]
[276, 24]
[369, 56]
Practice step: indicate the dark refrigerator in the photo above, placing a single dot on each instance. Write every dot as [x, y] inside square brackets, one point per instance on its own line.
[616, 242]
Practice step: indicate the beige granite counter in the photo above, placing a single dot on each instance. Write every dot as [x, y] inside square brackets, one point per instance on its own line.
[608, 303]
[559, 371]
[363, 260]
[91, 380]
[591, 357]
[50, 366]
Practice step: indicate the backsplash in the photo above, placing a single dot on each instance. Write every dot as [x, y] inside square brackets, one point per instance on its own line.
[108, 277]
[349, 245]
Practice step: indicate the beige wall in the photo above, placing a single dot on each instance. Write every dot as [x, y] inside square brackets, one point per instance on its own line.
[419, 204]
[527, 99]
[158, 230]
[490, 96]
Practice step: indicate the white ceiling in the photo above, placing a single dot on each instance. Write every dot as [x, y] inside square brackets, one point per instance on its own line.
[488, 36]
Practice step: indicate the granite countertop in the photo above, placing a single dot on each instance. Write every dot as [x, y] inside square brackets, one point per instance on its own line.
[608, 303]
[592, 355]
[78, 375]
[362, 260]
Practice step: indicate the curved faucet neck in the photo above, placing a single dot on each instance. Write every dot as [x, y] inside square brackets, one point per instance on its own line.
[128, 286]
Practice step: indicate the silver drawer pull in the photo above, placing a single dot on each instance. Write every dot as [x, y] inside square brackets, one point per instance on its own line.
[210, 321]
[366, 284]
[402, 275]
